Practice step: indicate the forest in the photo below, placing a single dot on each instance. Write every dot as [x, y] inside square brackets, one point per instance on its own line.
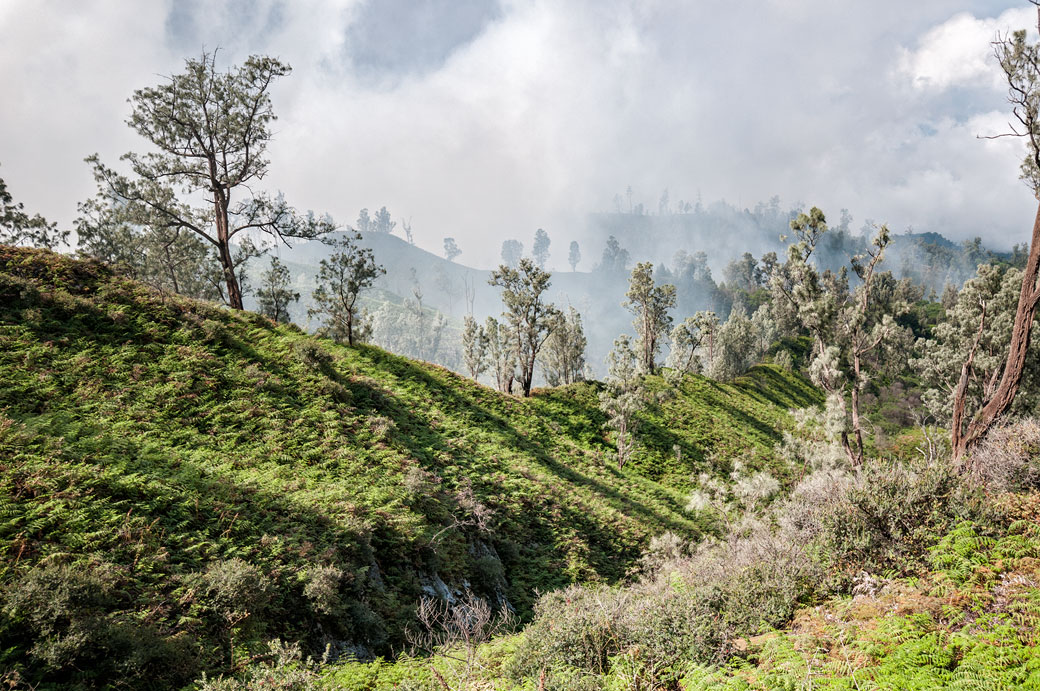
[245, 446]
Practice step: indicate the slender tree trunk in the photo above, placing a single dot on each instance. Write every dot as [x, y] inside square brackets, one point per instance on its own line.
[1011, 379]
[224, 252]
[856, 426]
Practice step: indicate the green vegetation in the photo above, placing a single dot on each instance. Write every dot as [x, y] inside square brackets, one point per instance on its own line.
[180, 484]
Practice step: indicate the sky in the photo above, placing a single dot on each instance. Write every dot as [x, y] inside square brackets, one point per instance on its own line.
[487, 119]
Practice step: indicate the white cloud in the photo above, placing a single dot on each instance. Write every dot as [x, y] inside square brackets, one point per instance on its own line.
[553, 108]
[958, 52]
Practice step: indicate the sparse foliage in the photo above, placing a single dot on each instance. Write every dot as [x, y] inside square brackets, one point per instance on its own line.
[615, 258]
[512, 251]
[474, 347]
[687, 339]
[563, 355]
[540, 249]
[210, 132]
[650, 304]
[18, 228]
[574, 255]
[451, 249]
[501, 354]
[529, 318]
[275, 293]
[623, 397]
[341, 278]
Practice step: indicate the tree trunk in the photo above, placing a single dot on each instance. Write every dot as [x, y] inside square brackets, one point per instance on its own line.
[856, 427]
[1011, 379]
[224, 252]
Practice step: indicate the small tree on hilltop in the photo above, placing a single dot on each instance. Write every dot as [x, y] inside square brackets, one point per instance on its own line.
[210, 131]
[623, 397]
[650, 304]
[501, 354]
[540, 249]
[687, 340]
[168, 259]
[563, 356]
[275, 293]
[528, 316]
[574, 255]
[512, 251]
[341, 278]
[451, 249]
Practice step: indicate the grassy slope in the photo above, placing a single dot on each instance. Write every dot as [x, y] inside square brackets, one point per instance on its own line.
[150, 437]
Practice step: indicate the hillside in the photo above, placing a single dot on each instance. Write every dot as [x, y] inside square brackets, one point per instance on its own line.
[179, 483]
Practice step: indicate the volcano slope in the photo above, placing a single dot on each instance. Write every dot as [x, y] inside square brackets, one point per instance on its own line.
[180, 483]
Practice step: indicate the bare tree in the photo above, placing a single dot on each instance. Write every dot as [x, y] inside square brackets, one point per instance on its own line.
[455, 629]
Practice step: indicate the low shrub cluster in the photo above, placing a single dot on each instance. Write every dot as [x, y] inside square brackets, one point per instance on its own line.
[699, 605]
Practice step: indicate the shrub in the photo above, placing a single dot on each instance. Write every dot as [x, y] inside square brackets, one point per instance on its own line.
[1008, 459]
[882, 517]
[74, 620]
[284, 670]
[322, 589]
[312, 354]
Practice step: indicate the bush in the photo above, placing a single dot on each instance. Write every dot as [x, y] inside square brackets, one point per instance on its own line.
[80, 632]
[284, 670]
[687, 610]
[1008, 459]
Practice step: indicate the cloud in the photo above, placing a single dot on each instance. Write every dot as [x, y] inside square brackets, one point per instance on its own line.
[490, 120]
[958, 52]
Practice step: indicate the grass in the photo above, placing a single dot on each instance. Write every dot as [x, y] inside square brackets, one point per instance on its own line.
[171, 455]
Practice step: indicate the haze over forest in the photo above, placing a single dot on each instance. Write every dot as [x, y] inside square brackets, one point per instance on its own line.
[485, 120]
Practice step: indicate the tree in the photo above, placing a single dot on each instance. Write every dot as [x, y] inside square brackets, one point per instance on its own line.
[382, 222]
[615, 258]
[1020, 62]
[275, 294]
[501, 354]
[17, 227]
[364, 222]
[341, 278]
[512, 251]
[210, 132]
[474, 346]
[540, 249]
[743, 274]
[973, 339]
[650, 304]
[444, 281]
[687, 340]
[563, 355]
[623, 397]
[852, 330]
[529, 318]
[170, 259]
[574, 256]
[735, 349]
[451, 250]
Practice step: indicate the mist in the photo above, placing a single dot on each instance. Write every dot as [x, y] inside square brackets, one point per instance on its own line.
[486, 120]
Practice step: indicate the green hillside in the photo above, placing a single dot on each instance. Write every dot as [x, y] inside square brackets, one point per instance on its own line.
[179, 483]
